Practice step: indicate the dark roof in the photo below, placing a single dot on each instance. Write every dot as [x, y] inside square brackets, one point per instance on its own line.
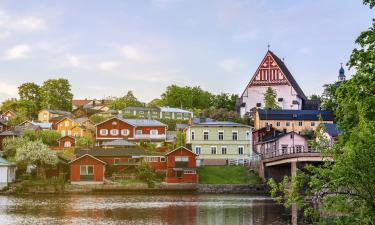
[290, 114]
[59, 112]
[118, 142]
[221, 123]
[197, 120]
[311, 105]
[289, 76]
[331, 129]
[58, 118]
[97, 152]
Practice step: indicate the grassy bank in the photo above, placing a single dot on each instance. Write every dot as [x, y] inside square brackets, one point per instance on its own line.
[227, 175]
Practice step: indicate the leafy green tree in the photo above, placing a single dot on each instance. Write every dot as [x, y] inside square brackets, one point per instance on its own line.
[96, 118]
[270, 99]
[155, 102]
[48, 137]
[146, 174]
[329, 99]
[30, 92]
[180, 140]
[222, 114]
[56, 94]
[10, 146]
[225, 100]
[83, 141]
[24, 109]
[344, 189]
[128, 100]
[315, 97]
[38, 154]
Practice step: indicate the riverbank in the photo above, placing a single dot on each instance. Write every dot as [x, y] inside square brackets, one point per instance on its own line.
[162, 188]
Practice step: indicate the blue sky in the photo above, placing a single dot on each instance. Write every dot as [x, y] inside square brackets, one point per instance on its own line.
[106, 48]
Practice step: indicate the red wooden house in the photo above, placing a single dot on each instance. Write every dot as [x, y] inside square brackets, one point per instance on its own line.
[181, 166]
[136, 130]
[87, 169]
[67, 142]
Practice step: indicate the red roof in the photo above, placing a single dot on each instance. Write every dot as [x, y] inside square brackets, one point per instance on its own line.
[80, 102]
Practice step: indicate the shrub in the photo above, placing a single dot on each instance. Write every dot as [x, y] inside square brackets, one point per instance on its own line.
[146, 174]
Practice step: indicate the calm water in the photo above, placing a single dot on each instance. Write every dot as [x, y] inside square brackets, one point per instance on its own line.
[142, 209]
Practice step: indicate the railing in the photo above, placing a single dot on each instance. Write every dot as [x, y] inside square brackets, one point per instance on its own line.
[149, 136]
[288, 151]
[239, 162]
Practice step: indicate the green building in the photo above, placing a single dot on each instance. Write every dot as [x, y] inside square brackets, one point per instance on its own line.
[218, 142]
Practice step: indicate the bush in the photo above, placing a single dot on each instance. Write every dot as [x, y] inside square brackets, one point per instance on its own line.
[109, 170]
[146, 174]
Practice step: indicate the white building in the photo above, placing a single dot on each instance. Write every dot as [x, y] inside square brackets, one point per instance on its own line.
[273, 73]
[7, 172]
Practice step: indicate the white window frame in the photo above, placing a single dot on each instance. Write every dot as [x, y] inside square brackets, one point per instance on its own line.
[208, 135]
[243, 150]
[103, 132]
[152, 132]
[198, 150]
[114, 132]
[86, 170]
[218, 135]
[226, 150]
[312, 123]
[190, 172]
[125, 132]
[234, 132]
[138, 132]
[163, 159]
[181, 158]
[212, 150]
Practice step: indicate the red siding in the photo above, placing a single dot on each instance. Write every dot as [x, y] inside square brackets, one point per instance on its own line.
[119, 126]
[171, 173]
[65, 139]
[146, 130]
[158, 165]
[99, 168]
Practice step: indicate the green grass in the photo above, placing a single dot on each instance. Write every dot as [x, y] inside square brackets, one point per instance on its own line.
[131, 182]
[227, 175]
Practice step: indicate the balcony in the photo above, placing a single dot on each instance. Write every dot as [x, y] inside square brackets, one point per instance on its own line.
[271, 153]
[181, 164]
[150, 136]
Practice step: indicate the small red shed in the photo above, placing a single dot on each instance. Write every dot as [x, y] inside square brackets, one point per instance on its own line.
[181, 166]
[67, 142]
[87, 170]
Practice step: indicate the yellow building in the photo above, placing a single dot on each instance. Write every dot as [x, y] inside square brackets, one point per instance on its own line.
[45, 115]
[291, 120]
[78, 127]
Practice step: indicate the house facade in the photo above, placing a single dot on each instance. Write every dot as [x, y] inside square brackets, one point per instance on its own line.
[263, 133]
[291, 120]
[135, 130]
[77, 127]
[284, 143]
[218, 142]
[67, 142]
[7, 172]
[157, 113]
[87, 169]
[272, 72]
[329, 132]
[181, 166]
[8, 115]
[45, 115]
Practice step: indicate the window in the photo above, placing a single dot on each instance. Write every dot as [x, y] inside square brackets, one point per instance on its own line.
[284, 149]
[87, 170]
[299, 148]
[189, 172]
[67, 144]
[103, 132]
[287, 124]
[198, 150]
[138, 132]
[45, 115]
[247, 135]
[141, 112]
[154, 132]
[67, 123]
[114, 132]
[224, 150]
[116, 161]
[181, 158]
[265, 124]
[277, 124]
[192, 135]
[213, 150]
[152, 159]
[221, 135]
[313, 124]
[240, 150]
[125, 132]
[300, 123]
[205, 135]
[162, 159]
[234, 135]
[69, 132]
[63, 133]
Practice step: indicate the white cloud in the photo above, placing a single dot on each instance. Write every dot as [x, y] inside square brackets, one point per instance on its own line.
[134, 53]
[230, 65]
[8, 89]
[18, 52]
[4, 35]
[21, 23]
[74, 61]
[246, 36]
[108, 65]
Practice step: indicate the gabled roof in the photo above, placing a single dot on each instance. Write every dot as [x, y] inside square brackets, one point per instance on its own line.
[173, 110]
[88, 155]
[331, 129]
[278, 136]
[182, 148]
[284, 70]
[59, 112]
[80, 102]
[291, 114]
[111, 152]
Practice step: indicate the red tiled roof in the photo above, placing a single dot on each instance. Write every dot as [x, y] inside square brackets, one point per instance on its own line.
[80, 102]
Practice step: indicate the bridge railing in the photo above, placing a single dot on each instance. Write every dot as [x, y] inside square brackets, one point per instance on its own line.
[271, 153]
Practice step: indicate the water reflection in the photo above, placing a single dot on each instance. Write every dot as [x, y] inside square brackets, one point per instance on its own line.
[142, 209]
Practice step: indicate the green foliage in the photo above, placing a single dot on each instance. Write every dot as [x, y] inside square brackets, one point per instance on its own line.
[227, 175]
[97, 118]
[270, 99]
[222, 114]
[24, 109]
[315, 97]
[155, 102]
[171, 123]
[308, 133]
[109, 170]
[329, 101]
[145, 174]
[11, 145]
[128, 100]
[48, 137]
[225, 101]
[83, 141]
[56, 94]
[30, 92]
[180, 140]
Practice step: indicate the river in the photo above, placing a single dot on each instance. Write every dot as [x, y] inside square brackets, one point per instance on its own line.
[142, 209]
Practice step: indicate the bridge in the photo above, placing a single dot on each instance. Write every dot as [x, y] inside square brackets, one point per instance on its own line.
[281, 162]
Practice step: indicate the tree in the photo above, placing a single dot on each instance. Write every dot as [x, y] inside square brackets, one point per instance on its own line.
[10, 146]
[83, 141]
[155, 102]
[96, 118]
[329, 99]
[270, 99]
[345, 188]
[38, 154]
[146, 174]
[315, 97]
[48, 137]
[128, 100]
[225, 100]
[30, 92]
[180, 140]
[56, 94]
[24, 109]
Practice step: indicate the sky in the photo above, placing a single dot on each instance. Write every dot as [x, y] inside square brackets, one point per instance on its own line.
[106, 48]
